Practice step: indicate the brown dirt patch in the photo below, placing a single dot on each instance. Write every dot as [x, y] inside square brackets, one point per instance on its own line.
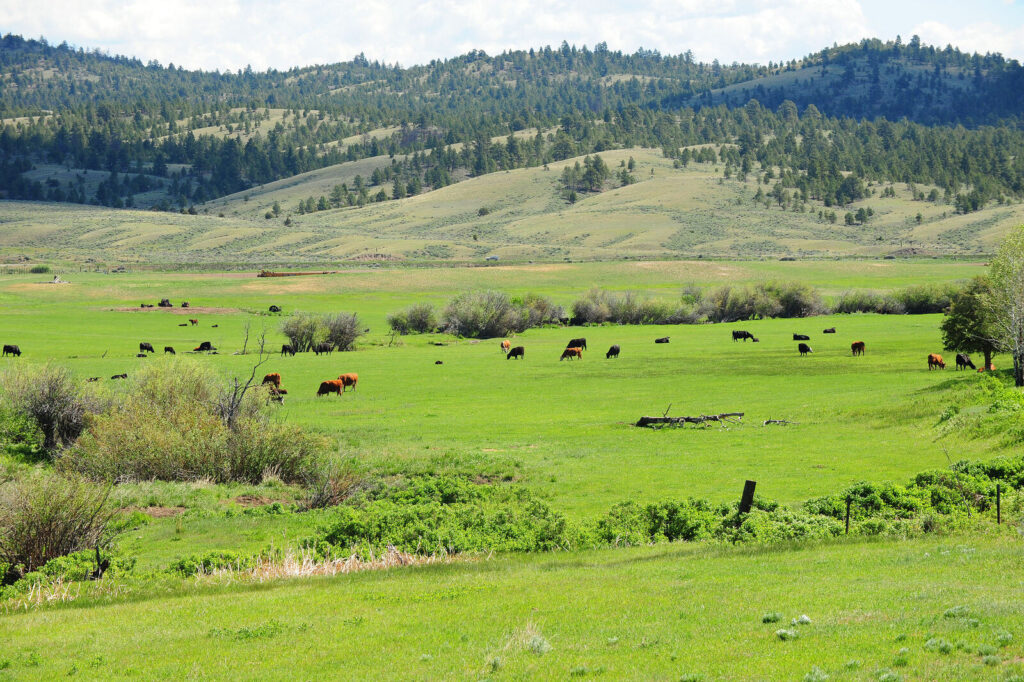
[193, 310]
[552, 267]
[160, 512]
[253, 501]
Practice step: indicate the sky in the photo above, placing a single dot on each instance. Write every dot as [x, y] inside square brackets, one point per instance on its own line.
[233, 34]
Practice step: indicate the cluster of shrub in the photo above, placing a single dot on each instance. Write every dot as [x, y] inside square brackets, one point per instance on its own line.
[306, 331]
[488, 314]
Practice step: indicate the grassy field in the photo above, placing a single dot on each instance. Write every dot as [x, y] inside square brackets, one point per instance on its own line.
[681, 213]
[877, 610]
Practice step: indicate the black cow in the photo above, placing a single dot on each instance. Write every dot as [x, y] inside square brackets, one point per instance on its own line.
[165, 303]
[148, 347]
[323, 347]
[141, 355]
[804, 349]
[204, 346]
[739, 334]
[275, 308]
[613, 352]
[183, 324]
[801, 337]
[830, 330]
[287, 349]
[963, 361]
[120, 376]
[184, 304]
[146, 305]
[517, 352]
[577, 343]
[438, 362]
[214, 325]
[663, 339]
[11, 350]
[169, 349]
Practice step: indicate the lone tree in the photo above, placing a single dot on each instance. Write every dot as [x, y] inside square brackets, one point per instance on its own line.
[1005, 302]
[967, 326]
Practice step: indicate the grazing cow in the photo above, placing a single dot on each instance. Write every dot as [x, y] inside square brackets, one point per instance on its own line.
[287, 349]
[577, 343]
[193, 322]
[739, 334]
[857, 348]
[571, 353]
[804, 349]
[165, 303]
[275, 308]
[830, 330]
[184, 304]
[506, 345]
[204, 346]
[438, 362]
[348, 380]
[93, 379]
[801, 337]
[10, 349]
[120, 376]
[663, 339]
[183, 324]
[273, 378]
[613, 352]
[323, 348]
[168, 349]
[148, 347]
[935, 360]
[963, 361]
[330, 386]
[517, 352]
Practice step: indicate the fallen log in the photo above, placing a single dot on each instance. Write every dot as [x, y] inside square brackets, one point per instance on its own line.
[731, 417]
[268, 273]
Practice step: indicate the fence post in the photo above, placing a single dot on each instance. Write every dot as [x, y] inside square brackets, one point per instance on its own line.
[849, 501]
[999, 506]
[747, 501]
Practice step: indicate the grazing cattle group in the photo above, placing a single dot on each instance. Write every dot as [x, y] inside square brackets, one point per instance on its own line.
[935, 361]
[572, 353]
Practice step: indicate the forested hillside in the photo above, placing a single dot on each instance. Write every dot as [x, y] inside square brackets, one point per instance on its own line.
[85, 127]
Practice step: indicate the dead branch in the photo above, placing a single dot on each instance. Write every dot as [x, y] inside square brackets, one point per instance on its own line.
[654, 422]
[777, 421]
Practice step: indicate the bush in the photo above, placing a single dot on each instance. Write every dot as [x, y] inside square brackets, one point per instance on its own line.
[629, 523]
[58, 404]
[483, 314]
[47, 516]
[730, 303]
[40, 270]
[419, 318]
[600, 306]
[167, 426]
[539, 310]
[342, 330]
[303, 330]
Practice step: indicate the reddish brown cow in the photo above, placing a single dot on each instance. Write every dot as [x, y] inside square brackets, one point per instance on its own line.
[571, 353]
[330, 386]
[193, 322]
[273, 378]
[857, 347]
[935, 360]
[348, 380]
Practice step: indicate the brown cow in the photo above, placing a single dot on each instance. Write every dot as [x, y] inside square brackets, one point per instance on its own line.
[571, 353]
[506, 346]
[273, 378]
[348, 380]
[857, 347]
[935, 360]
[193, 322]
[330, 386]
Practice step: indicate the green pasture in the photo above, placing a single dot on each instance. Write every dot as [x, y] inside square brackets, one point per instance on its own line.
[920, 609]
[563, 428]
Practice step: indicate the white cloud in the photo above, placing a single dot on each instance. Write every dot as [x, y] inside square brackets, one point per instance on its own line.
[228, 34]
[977, 37]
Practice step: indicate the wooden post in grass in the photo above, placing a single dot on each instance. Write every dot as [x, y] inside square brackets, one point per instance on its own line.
[747, 501]
[999, 506]
[849, 501]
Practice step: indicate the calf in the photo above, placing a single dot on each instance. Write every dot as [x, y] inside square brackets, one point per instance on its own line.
[10, 349]
[804, 349]
[830, 330]
[330, 386]
[613, 352]
[935, 360]
[663, 339]
[517, 352]
[168, 349]
[739, 334]
[348, 380]
[577, 343]
[801, 337]
[857, 348]
[963, 361]
[571, 353]
[148, 347]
